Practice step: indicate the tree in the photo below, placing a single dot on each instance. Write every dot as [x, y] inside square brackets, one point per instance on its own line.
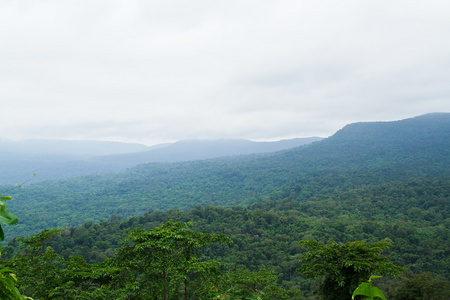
[45, 275]
[343, 266]
[83, 281]
[37, 266]
[162, 263]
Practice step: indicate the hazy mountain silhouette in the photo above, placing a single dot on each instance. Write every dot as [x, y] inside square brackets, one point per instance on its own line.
[53, 159]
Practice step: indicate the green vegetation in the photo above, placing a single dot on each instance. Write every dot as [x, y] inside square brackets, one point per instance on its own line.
[369, 291]
[237, 223]
[172, 261]
[160, 263]
[412, 215]
[359, 155]
[6, 217]
[423, 286]
[8, 289]
[165, 261]
[342, 267]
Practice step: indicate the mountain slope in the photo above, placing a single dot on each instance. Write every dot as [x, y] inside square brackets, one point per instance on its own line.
[360, 154]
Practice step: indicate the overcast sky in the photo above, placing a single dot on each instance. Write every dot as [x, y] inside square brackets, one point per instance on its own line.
[159, 71]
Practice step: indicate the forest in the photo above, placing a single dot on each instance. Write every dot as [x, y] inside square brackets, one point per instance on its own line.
[247, 227]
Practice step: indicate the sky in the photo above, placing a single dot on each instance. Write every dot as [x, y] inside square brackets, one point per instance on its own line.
[160, 71]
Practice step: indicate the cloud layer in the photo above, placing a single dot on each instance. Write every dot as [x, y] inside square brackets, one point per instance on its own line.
[155, 71]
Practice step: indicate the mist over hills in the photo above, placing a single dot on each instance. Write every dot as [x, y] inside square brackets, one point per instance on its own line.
[54, 159]
[69, 148]
[358, 155]
[204, 149]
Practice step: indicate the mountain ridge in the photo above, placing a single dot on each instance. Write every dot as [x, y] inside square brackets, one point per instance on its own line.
[78, 158]
[187, 150]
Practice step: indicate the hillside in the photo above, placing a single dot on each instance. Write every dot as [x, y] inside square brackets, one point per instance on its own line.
[358, 155]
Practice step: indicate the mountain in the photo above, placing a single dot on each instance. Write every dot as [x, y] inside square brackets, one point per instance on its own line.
[358, 155]
[188, 150]
[51, 159]
[409, 141]
[54, 159]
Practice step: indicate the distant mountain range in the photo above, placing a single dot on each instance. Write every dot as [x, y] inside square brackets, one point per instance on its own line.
[203, 149]
[58, 159]
[359, 155]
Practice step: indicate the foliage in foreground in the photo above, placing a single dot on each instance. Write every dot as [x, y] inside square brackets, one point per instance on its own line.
[343, 266]
[181, 271]
[369, 291]
[161, 263]
[8, 289]
[6, 217]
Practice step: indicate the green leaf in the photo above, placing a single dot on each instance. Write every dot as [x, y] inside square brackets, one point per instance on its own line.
[378, 293]
[4, 270]
[363, 289]
[2, 234]
[8, 218]
[366, 289]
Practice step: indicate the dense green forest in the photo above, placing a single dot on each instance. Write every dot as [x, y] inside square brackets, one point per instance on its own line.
[412, 215]
[382, 182]
[360, 154]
